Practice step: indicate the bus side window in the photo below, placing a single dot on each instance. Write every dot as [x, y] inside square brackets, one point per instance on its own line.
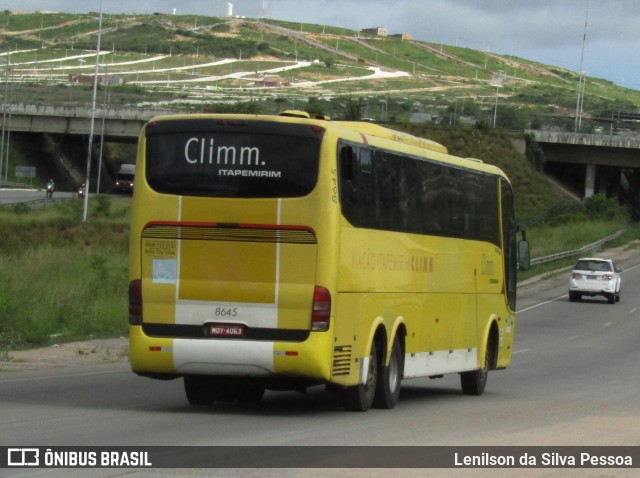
[364, 185]
[364, 161]
[347, 163]
[385, 167]
[356, 198]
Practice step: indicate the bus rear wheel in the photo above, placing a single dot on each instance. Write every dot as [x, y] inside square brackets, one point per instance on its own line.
[360, 397]
[203, 390]
[250, 393]
[389, 378]
[200, 390]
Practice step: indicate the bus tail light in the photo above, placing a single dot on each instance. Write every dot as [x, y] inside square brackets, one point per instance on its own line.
[321, 314]
[135, 302]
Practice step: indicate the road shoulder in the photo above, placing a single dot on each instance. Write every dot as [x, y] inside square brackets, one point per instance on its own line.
[88, 352]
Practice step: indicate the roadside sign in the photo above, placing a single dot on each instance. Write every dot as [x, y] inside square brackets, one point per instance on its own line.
[25, 172]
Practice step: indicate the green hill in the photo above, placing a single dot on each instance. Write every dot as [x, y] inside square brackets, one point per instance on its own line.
[267, 65]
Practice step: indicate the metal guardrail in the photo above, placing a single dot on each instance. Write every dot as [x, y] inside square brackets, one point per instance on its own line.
[14, 185]
[575, 252]
[35, 203]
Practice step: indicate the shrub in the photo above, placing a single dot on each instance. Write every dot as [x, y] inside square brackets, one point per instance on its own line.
[601, 207]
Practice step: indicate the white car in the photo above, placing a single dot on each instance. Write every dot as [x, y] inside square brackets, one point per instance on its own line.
[595, 276]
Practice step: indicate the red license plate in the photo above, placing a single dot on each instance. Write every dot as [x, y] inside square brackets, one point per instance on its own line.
[226, 330]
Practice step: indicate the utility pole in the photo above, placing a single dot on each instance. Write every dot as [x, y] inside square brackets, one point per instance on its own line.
[93, 119]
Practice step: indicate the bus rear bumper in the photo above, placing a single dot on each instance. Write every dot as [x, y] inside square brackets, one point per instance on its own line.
[310, 359]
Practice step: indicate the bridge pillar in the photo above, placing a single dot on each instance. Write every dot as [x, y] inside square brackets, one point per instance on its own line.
[590, 181]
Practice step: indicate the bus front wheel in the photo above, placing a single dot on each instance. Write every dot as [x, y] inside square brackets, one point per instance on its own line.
[474, 383]
[360, 397]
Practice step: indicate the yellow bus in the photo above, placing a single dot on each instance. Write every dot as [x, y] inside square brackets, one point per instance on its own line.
[283, 252]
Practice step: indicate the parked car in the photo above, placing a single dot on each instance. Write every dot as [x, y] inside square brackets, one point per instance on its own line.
[593, 276]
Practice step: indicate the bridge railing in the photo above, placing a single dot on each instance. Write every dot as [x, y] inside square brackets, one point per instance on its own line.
[136, 114]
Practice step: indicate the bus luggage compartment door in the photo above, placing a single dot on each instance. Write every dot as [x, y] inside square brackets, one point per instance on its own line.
[260, 277]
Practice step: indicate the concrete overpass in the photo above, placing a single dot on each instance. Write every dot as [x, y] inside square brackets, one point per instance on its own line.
[54, 138]
[600, 158]
[120, 124]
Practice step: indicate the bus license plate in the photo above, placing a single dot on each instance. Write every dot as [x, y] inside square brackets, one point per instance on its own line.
[226, 330]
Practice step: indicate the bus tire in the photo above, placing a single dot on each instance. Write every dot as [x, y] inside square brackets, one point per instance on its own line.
[389, 378]
[231, 391]
[199, 390]
[360, 397]
[251, 393]
[474, 382]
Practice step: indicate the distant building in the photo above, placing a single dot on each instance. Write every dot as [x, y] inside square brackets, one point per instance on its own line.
[424, 118]
[270, 82]
[86, 79]
[378, 31]
[403, 36]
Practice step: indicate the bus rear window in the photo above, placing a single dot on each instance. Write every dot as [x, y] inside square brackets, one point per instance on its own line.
[221, 158]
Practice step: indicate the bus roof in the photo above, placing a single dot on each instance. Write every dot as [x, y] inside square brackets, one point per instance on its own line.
[372, 129]
[379, 131]
[367, 128]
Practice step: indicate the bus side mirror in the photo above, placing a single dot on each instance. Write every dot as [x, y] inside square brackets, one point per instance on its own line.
[524, 260]
[346, 163]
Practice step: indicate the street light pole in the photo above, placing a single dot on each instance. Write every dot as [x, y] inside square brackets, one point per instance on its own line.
[495, 110]
[4, 113]
[499, 79]
[582, 80]
[93, 119]
[104, 114]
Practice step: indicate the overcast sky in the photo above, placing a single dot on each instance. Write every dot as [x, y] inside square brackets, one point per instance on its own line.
[549, 31]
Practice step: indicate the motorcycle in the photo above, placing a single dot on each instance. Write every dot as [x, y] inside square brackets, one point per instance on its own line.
[50, 189]
[81, 191]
